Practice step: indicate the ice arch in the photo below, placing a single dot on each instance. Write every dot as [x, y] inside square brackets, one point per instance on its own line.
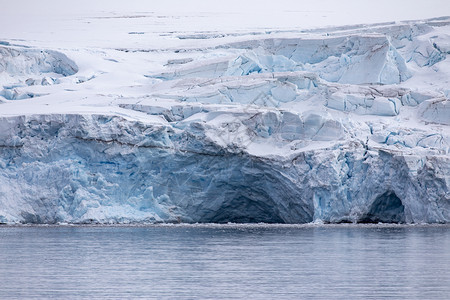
[387, 208]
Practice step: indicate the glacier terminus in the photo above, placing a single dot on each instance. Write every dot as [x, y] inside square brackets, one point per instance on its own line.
[328, 125]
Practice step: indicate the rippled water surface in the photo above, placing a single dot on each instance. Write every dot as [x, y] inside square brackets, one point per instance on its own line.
[226, 261]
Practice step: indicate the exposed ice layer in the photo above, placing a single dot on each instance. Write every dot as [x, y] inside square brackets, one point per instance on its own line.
[414, 98]
[281, 88]
[245, 64]
[409, 42]
[426, 54]
[25, 61]
[104, 168]
[436, 111]
[258, 89]
[379, 106]
[354, 59]
[22, 67]
[17, 94]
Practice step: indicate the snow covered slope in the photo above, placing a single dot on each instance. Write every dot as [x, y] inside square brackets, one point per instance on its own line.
[344, 124]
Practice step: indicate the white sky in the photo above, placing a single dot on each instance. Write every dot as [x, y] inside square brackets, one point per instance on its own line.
[373, 9]
[47, 21]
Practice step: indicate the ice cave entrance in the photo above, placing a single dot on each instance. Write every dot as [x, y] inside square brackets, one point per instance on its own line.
[387, 208]
[246, 210]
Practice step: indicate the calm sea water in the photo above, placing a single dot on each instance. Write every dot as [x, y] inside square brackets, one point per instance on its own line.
[225, 262]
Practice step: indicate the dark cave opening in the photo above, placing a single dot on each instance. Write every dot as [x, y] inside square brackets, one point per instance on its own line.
[245, 210]
[387, 208]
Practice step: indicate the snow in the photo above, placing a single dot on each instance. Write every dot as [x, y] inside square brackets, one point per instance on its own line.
[166, 114]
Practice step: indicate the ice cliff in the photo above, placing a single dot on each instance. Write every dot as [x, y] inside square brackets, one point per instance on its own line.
[339, 125]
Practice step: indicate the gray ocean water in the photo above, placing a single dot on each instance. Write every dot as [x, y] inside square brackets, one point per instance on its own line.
[225, 262]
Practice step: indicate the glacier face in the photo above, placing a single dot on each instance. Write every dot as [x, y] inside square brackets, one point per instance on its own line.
[334, 126]
[84, 168]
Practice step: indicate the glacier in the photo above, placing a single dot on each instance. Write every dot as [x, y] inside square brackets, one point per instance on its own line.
[21, 67]
[345, 124]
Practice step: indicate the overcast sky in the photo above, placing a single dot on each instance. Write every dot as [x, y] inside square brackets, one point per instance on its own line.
[49, 20]
[371, 9]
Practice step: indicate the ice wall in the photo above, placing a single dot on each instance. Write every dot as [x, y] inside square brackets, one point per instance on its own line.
[350, 125]
[100, 168]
